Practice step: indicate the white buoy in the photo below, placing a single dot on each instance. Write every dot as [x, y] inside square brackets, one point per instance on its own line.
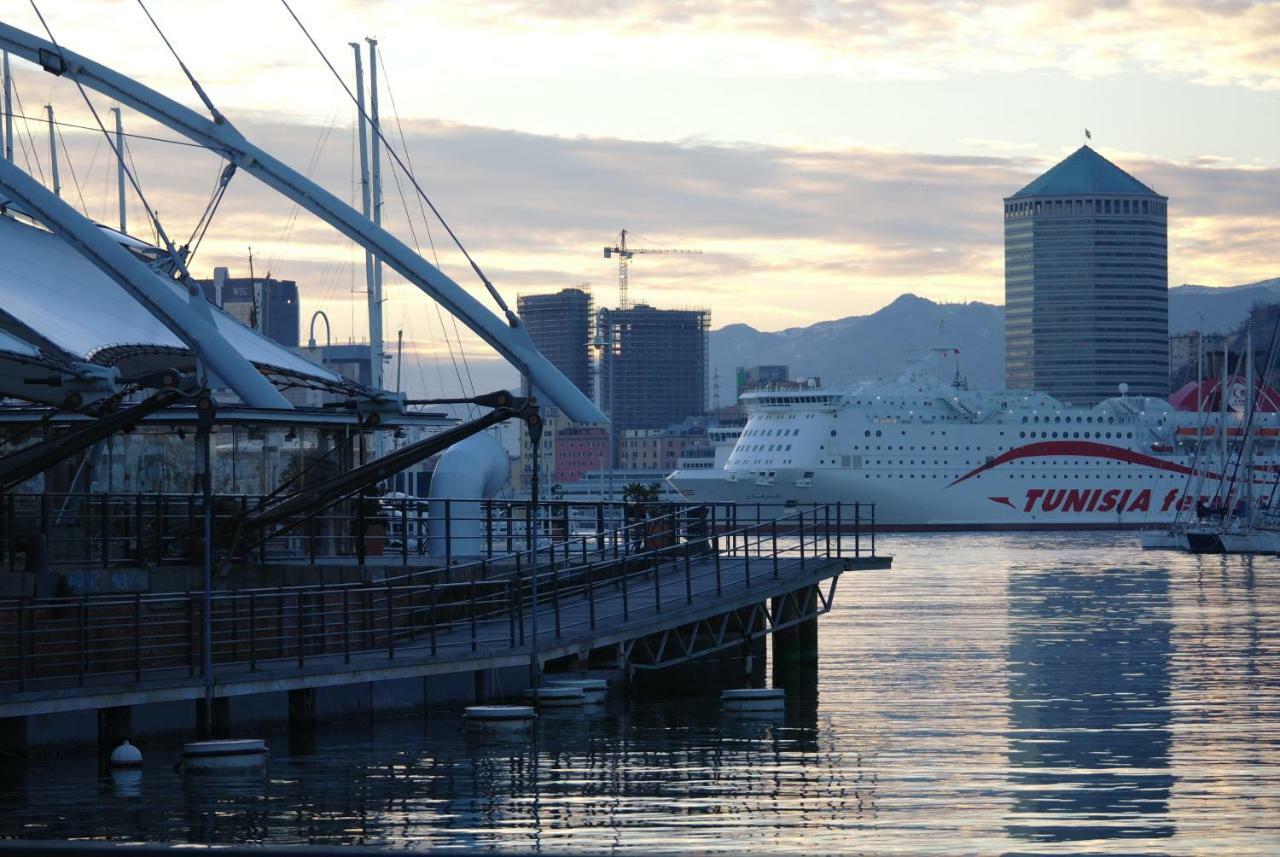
[754, 699]
[555, 696]
[503, 719]
[126, 756]
[594, 690]
[226, 756]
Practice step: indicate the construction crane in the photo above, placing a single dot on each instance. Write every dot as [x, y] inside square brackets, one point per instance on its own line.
[624, 254]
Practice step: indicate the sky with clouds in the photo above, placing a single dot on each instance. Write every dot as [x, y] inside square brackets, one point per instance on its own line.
[824, 156]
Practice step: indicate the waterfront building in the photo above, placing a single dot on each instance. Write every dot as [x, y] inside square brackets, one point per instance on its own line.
[267, 305]
[653, 368]
[579, 450]
[560, 326]
[659, 449]
[1086, 283]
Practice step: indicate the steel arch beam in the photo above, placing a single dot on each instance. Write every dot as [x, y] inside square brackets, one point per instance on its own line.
[511, 341]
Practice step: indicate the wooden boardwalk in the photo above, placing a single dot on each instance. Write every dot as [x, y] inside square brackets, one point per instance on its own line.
[656, 607]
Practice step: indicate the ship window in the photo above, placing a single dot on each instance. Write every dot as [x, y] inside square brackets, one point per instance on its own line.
[868, 432]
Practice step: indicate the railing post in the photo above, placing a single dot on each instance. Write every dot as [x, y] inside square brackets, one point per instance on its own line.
[555, 588]
[346, 625]
[404, 531]
[600, 527]
[839, 531]
[106, 532]
[472, 599]
[857, 529]
[626, 610]
[746, 560]
[657, 586]
[83, 633]
[716, 556]
[775, 546]
[511, 610]
[391, 624]
[826, 529]
[591, 595]
[873, 529]
[802, 541]
[448, 533]
[253, 632]
[688, 579]
[191, 635]
[432, 591]
[301, 627]
[487, 506]
[137, 636]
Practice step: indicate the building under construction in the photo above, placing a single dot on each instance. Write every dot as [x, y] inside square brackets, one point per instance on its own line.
[560, 326]
[653, 368]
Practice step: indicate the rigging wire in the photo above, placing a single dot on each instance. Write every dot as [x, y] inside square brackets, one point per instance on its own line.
[71, 167]
[312, 163]
[512, 318]
[395, 176]
[26, 126]
[195, 84]
[62, 124]
[161, 235]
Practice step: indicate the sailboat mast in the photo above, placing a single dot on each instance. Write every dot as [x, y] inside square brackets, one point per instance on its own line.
[53, 151]
[124, 223]
[8, 111]
[375, 172]
[375, 347]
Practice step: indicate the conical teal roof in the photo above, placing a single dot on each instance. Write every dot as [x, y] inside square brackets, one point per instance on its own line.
[1084, 171]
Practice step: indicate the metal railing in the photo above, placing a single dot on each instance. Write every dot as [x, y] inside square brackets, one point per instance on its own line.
[644, 568]
[130, 530]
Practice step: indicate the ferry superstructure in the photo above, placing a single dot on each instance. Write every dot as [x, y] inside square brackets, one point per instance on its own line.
[935, 456]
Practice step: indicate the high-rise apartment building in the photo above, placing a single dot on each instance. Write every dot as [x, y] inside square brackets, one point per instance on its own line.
[1086, 283]
[560, 326]
[653, 369]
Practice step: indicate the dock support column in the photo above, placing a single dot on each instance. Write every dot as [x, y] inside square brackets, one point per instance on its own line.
[221, 719]
[795, 649]
[302, 721]
[115, 725]
[13, 738]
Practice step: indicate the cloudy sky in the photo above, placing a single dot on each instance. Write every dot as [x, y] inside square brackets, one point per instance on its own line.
[824, 156]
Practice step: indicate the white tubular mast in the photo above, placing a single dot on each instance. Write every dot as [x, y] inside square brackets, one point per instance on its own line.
[511, 341]
[366, 197]
[375, 185]
[120, 197]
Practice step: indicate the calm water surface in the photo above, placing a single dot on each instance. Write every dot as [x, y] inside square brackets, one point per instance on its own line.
[1043, 694]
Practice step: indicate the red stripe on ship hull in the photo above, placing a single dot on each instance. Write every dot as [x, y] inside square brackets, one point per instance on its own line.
[1084, 449]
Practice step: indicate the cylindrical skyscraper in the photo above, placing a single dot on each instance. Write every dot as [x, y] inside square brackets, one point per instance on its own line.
[1086, 283]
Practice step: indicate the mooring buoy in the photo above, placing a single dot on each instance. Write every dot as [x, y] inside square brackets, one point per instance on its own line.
[506, 719]
[754, 699]
[594, 690]
[237, 755]
[555, 696]
[126, 756]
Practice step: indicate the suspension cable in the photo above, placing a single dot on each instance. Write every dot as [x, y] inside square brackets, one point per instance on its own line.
[512, 318]
[195, 84]
[62, 124]
[161, 235]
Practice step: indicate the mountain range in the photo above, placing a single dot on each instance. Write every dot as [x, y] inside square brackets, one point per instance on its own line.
[881, 345]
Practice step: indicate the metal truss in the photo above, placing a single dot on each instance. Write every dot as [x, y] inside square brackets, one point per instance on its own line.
[730, 630]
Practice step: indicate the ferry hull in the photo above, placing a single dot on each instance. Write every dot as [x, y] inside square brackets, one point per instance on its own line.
[990, 501]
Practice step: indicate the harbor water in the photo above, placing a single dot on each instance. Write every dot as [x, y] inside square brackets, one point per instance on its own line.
[991, 693]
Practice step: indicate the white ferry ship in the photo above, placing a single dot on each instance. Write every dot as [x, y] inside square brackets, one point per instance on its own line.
[935, 456]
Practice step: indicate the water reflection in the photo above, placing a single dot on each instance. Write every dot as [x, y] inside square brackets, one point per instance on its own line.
[1089, 685]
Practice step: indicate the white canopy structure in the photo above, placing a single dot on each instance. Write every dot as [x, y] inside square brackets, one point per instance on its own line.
[51, 294]
[509, 338]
